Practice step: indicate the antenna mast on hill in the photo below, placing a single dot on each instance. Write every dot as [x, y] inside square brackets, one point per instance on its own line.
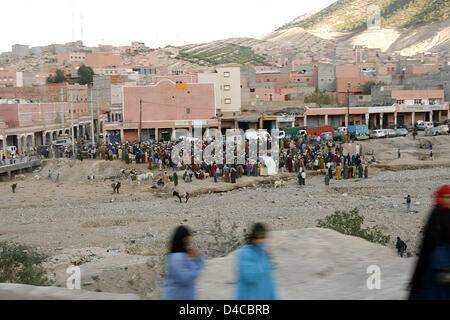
[73, 23]
[81, 23]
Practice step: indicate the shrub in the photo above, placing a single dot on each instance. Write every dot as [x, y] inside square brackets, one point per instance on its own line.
[225, 240]
[350, 223]
[21, 264]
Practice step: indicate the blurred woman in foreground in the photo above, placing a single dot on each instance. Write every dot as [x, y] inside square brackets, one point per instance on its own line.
[183, 266]
[255, 278]
[431, 279]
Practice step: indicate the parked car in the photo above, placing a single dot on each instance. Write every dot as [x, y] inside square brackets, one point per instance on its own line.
[389, 133]
[425, 124]
[401, 132]
[376, 134]
[326, 136]
[337, 136]
[62, 143]
[443, 129]
[362, 136]
[408, 127]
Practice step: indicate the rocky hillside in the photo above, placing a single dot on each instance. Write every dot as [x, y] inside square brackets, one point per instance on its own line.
[351, 15]
[407, 26]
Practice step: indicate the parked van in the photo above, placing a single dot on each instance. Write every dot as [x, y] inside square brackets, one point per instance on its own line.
[376, 134]
[425, 124]
[342, 130]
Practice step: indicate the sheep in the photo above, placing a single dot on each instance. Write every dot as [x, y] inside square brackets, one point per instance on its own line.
[144, 177]
[128, 172]
[206, 175]
[279, 183]
[181, 195]
[19, 177]
[91, 177]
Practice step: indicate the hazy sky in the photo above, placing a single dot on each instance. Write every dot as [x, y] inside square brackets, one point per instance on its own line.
[157, 23]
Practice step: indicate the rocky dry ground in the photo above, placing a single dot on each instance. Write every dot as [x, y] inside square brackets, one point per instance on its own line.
[119, 240]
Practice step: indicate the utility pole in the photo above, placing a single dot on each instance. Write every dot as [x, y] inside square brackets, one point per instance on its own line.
[140, 120]
[73, 135]
[92, 118]
[348, 114]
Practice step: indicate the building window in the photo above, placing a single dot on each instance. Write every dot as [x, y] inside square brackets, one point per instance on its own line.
[226, 74]
[228, 101]
[188, 110]
[417, 101]
[401, 101]
[227, 87]
[349, 85]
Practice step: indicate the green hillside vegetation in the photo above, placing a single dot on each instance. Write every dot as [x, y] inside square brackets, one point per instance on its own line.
[351, 16]
[227, 53]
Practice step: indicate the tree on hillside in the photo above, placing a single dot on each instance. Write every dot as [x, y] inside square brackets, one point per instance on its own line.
[367, 87]
[86, 75]
[58, 78]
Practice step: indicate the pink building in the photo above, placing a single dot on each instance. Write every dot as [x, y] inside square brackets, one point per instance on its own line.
[71, 57]
[421, 68]
[386, 69]
[102, 59]
[28, 125]
[7, 78]
[278, 94]
[161, 108]
[279, 79]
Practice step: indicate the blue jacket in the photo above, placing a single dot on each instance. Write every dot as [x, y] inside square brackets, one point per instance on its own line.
[255, 279]
[181, 272]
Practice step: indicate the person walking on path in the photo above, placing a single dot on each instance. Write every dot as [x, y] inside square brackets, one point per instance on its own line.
[183, 266]
[255, 268]
[408, 203]
[401, 247]
[327, 180]
[430, 279]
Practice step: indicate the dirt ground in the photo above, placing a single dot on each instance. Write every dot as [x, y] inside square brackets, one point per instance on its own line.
[119, 239]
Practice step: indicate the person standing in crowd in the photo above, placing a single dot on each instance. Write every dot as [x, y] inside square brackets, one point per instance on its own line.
[432, 273]
[233, 174]
[401, 247]
[408, 203]
[299, 177]
[255, 268]
[360, 171]
[175, 178]
[338, 172]
[183, 266]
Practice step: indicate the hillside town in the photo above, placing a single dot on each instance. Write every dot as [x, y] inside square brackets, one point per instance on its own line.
[133, 98]
[280, 167]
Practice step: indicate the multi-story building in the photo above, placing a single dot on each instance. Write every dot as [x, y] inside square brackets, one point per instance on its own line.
[102, 59]
[155, 111]
[227, 87]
